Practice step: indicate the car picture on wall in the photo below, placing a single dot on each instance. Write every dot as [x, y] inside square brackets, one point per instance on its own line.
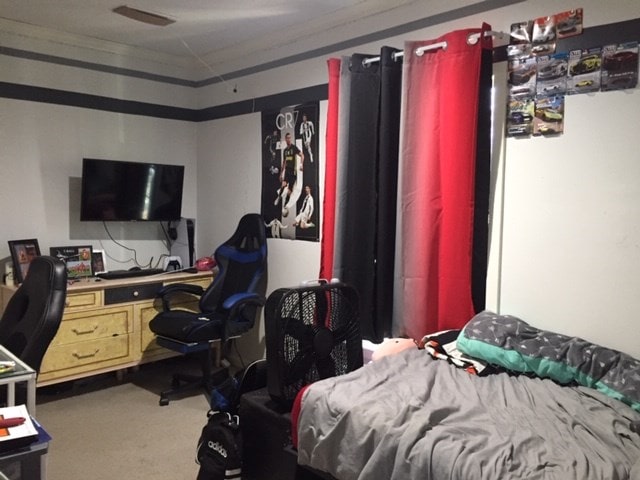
[540, 76]
[569, 23]
[620, 66]
[549, 115]
[584, 71]
[552, 74]
[520, 117]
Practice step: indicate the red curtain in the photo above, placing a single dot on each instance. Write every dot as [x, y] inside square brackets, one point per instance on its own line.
[437, 183]
[331, 148]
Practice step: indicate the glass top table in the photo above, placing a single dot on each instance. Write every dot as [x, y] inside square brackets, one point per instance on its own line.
[20, 373]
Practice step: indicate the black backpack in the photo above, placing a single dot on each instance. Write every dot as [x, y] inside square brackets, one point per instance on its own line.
[219, 452]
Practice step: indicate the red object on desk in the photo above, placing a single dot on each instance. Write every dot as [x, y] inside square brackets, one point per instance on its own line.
[205, 263]
[11, 422]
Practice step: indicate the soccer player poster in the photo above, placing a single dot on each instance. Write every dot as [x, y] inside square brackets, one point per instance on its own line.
[290, 200]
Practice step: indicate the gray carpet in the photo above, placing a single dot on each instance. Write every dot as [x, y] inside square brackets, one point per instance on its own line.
[105, 429]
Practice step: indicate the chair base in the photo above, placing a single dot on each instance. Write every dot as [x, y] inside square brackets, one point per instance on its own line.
[182, 383]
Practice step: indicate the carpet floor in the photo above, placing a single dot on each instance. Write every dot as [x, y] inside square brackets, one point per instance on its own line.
[104, 428]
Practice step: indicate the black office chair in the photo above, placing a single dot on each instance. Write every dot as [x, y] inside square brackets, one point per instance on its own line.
[34, 311]
[227, 308]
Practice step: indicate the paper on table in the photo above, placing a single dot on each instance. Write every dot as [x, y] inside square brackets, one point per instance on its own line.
[27, 429]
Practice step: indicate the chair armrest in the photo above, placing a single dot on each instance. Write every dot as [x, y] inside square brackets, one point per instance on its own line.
[167, 291]
[242, 310]
[239, 299]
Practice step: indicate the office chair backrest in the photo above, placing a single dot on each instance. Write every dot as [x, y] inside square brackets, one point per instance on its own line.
[242, 266]
[34, 312]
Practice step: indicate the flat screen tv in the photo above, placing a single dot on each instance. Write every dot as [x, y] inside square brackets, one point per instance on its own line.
[130, 191]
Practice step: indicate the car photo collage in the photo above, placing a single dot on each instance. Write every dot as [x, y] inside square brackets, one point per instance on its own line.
[539, 77]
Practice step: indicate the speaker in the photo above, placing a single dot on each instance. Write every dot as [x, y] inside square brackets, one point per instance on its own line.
[183, 245]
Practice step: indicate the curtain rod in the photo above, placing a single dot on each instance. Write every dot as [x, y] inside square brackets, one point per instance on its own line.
[471, 40]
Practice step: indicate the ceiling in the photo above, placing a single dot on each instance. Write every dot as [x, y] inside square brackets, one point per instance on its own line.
[211, 29]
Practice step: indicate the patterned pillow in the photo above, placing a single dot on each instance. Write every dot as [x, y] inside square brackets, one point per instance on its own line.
[507, 341]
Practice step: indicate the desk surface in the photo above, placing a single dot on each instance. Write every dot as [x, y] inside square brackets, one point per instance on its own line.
[93, 283]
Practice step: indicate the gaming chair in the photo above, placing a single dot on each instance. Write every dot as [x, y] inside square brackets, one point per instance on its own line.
[227, 308]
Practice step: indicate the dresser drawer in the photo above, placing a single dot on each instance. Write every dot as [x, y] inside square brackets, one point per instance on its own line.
[203, 282]
[94, 324]
[77, 301]
[63, 357]
[132, 293]
[148, 345]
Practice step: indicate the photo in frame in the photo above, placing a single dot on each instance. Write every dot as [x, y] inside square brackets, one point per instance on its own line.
[98, 262]
[77, 258]
[22, 253]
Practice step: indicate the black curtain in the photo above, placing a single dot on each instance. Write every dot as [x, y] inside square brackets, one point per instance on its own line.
[480, 248]
[367, 237]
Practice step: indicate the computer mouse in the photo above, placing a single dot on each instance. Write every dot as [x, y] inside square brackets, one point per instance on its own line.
[135, 269]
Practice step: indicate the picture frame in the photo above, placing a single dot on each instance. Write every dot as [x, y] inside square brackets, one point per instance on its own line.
[78, 259]
[22, 253]
[98, 262]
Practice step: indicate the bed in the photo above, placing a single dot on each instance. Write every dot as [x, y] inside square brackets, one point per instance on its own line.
[553, 407]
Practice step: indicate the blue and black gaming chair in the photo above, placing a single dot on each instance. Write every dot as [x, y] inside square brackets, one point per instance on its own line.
[227, 308]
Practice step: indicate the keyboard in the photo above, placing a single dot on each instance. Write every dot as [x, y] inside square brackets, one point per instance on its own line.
[114, 274]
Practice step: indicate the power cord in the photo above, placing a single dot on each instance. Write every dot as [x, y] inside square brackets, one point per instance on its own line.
[135, 253]
[235, 345]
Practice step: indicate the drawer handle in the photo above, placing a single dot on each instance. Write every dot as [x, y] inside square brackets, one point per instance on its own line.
[88, 355]
[84, 332]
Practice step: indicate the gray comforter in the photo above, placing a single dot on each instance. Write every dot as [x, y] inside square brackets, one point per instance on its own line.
[408, 416]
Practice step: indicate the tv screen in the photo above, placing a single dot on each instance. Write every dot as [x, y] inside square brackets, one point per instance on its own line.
[130, 191]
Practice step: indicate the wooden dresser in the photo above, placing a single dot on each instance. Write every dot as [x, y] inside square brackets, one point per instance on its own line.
[105, 326]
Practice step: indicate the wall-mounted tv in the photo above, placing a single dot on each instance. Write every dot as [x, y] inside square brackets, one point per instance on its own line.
[130, 191]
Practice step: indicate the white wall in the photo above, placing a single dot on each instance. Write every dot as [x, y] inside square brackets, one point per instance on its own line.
[571, 240]
[41, 157]
[564, 251]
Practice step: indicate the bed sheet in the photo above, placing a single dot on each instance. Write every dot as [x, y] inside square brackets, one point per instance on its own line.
[408, 416]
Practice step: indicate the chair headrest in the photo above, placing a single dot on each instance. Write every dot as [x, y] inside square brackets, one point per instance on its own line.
[250, 233]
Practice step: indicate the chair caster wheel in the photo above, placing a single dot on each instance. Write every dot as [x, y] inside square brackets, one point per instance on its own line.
[163, 402]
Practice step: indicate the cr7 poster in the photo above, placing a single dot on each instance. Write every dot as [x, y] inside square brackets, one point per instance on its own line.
[290, 205]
